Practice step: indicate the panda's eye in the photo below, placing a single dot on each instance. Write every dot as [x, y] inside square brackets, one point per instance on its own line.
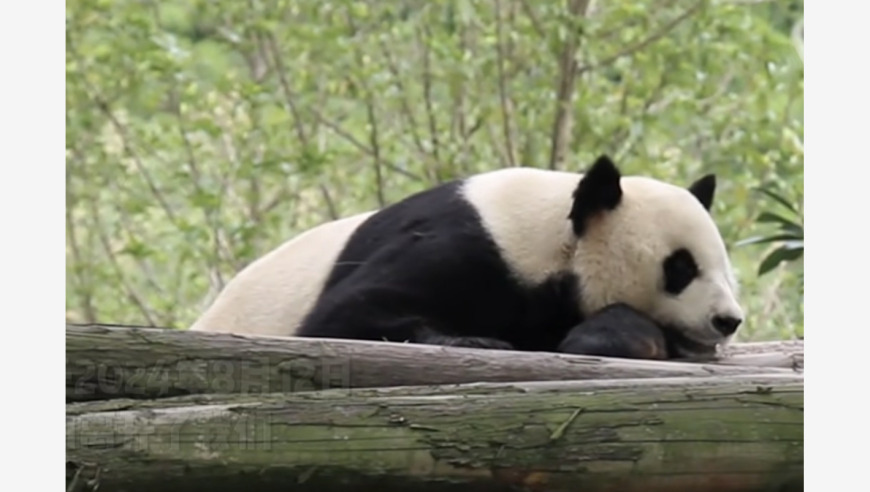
[680, 269]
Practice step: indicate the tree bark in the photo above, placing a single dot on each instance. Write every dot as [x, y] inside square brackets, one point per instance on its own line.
[780, 353]
[786, 346]
[105, 362]
[717, 434]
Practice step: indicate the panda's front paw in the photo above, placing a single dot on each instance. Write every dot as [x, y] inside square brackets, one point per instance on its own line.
[468, 342]
[482, 342]
[617, 331]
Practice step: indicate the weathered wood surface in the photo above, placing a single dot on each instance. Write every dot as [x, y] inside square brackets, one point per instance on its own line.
[746, 348]
[730, 433]
[121, 362]
[781, 353]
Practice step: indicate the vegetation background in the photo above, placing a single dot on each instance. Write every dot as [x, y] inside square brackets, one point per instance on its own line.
[203, 133]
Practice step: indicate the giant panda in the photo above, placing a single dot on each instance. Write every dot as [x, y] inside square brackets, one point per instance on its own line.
[506, 259]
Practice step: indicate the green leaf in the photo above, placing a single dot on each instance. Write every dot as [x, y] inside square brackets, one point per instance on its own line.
[205, 199]
[779, 198]
[136, 249]
[771, 217]
[769, 239]
[782, 254]
[799, 244]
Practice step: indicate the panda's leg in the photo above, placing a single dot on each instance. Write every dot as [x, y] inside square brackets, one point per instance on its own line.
[617, 331]
[432, 337]
[369, 312]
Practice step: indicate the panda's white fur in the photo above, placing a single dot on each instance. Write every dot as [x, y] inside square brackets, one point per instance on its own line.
[525, 212]
[272, 294]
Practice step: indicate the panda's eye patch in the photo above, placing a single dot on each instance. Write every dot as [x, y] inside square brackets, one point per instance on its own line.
[680, 270]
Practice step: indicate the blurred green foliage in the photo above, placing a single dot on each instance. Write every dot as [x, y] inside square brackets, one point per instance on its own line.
[201, 134]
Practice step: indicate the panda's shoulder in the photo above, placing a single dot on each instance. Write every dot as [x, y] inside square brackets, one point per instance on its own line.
[497, 189]
[456, 205]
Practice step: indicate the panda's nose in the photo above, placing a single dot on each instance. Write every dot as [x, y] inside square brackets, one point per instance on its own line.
[726, 325]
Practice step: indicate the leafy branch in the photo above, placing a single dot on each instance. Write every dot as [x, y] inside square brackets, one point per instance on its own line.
[789, 236]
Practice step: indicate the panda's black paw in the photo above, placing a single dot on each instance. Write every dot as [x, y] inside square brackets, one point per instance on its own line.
[617, 331]
[482, 342]
[469, 342]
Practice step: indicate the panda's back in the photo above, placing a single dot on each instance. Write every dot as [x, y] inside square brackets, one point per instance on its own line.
[521, 212]
[436, 210]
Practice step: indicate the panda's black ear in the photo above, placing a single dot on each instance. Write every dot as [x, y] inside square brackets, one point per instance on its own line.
[704, 189]
[599, 190]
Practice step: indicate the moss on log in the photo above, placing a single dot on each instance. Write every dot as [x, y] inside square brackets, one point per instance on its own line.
[715, 434]
[106, 362]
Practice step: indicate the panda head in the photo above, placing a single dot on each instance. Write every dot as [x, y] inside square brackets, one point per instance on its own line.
[655, 246]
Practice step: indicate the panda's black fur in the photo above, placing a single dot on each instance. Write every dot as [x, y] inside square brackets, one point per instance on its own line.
[412, 273]
[614, 331]
[619, 330]
[424, 270]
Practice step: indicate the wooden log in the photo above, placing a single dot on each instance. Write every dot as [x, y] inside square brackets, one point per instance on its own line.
[717, 434]
[116, 404]
[792, 360]
[106, 362]
[780, 353]
[780, 346]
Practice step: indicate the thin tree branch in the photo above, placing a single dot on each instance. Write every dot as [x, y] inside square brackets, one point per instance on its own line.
[281, 196]
[210, 215]
[371, 116]
[494, 145]
[605, 36]
[126, 224]
[116, 266]
[646, 42]
[289, 98]
[564, 120]
[405, 107]
[376, 149]
[504, 98]
[335, 127]
[330, 204]
[121, 129]
[533, 18]
[423, 35]
[280, 69]
[629, 143]
[83, 288]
